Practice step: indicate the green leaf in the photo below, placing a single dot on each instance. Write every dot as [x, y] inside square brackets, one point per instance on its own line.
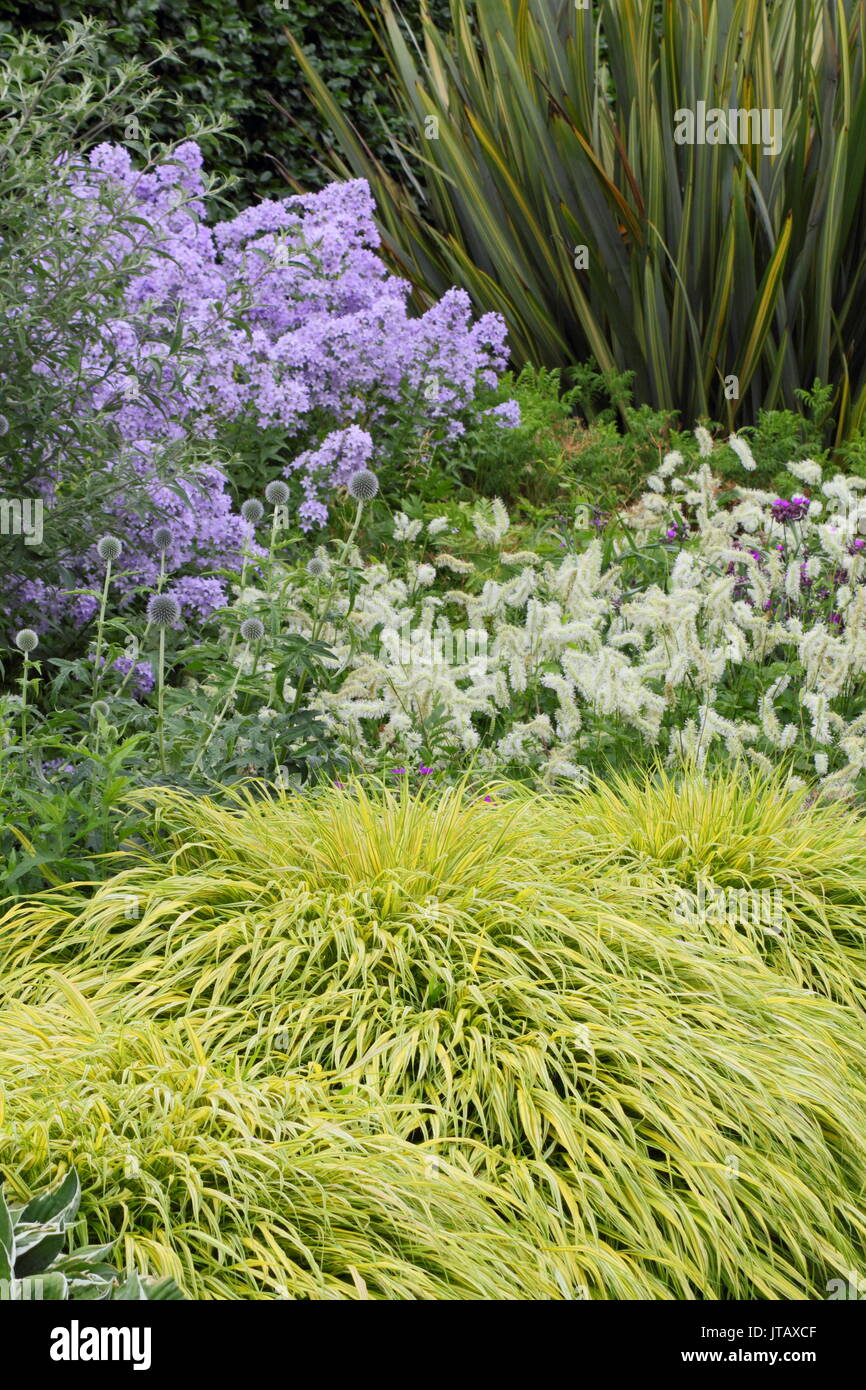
[131, 1290]
[40, 1255]
[164, 1290]
[539, 149]
[7, 1241]
[52, 1287]
[61, 1205]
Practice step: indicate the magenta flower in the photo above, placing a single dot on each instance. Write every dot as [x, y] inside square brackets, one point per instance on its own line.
[787, 512]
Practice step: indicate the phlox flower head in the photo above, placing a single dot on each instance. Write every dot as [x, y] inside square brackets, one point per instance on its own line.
[283, 318]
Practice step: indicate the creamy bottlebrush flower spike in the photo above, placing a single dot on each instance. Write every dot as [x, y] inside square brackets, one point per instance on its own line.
[569, 655]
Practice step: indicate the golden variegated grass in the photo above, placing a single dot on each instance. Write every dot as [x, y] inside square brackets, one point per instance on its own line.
[248, 1185]
[742, 832]
[660, 1110]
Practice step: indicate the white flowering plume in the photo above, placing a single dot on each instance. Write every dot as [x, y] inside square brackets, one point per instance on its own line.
[549, 662]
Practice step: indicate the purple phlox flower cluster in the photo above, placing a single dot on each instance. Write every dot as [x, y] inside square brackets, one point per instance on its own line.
[142, 680]
[291, 310]
[284, 317]
[57, 767]
[204, 529]
[197, 595]
[506, 415]
[331, 465]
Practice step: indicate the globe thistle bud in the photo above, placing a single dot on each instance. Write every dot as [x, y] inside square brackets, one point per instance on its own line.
[4, 425]
[26, 640]
[252, 630]
[277, 493]
[363, 485]
[162, 610]
[316, 567]
[162, 537]
[99, 707]
[252, 510]
[109, 548]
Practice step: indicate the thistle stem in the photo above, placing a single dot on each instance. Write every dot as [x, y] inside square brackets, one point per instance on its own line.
[24, 701]
[99, 626]
[160, 699]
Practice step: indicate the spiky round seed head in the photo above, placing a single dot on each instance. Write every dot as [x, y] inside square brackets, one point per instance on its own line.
[277, 493]
[252, 510]
[110, 548]
[316, 567]
[99, 707]
[363, 485]
[252, 630]
[162, 537]
[26, 640]
[162, 610]
[4, 425]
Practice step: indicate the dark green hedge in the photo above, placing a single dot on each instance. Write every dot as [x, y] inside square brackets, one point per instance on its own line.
[230, 55]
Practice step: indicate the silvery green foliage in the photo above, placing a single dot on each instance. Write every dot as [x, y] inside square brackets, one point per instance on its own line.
[33, 1264]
